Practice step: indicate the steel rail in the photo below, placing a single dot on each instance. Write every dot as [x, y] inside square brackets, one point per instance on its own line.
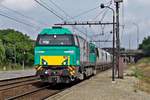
[34, 81]
[17, 80]
[26, 93]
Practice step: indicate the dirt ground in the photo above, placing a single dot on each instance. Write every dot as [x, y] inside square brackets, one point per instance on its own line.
[100, 87]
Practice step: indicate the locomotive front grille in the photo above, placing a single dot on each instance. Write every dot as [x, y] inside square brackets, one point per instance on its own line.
[55, 60]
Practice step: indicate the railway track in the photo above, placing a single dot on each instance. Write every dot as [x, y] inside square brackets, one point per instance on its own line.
[10, 87]
[31, 88]
[27, 88]
[36, 94]
[7, 82]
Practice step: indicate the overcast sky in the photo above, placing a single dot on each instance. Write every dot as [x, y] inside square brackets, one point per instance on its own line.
[132, 11]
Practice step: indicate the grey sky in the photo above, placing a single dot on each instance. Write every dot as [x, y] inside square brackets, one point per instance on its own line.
[135, 11]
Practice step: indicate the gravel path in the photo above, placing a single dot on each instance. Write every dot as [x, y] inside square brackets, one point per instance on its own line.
[100, 87]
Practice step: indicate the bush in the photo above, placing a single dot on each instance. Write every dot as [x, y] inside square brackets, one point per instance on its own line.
[137, 72]
[14, 48]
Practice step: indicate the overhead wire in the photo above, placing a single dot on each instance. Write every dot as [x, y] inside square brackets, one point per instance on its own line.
[60, 17]
[25, 16]
[104, 12]
[97, 35]
[18, 21]
[98, 15]
[107, 38]
[47, 8]
[51, 1]
[85, 12]
[67, 16]
[109, 2]
[103, 16]
[81, 31]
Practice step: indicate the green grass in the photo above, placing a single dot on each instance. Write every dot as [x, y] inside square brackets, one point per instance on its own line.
[141, 70]
[137, 72]
[144, 61]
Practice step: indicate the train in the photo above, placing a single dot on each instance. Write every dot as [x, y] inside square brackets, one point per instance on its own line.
[60, 56]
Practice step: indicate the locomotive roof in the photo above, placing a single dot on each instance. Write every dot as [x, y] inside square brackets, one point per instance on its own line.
[56, 30]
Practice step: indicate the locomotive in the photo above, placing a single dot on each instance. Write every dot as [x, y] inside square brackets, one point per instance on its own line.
[62, 57]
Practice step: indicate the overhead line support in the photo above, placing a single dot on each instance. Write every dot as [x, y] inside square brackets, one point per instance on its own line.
[103, 41]
[119, 68]
[85, 23]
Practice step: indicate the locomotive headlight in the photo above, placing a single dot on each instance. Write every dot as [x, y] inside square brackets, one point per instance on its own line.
[64, 63]
[44, 63]
[46, 72]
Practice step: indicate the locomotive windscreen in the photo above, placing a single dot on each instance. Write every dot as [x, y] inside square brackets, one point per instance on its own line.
[55, 40]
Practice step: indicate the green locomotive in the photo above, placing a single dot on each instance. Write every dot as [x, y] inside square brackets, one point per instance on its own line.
[62, 57]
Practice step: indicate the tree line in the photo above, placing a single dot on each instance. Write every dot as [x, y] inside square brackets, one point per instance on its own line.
[16, 48]
[145, 46]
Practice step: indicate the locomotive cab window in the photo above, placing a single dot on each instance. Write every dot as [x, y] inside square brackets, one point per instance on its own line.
[55, 40]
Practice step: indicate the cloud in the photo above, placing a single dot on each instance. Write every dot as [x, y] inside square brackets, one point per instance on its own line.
[19, 4]
[144, 2]
[125, 1]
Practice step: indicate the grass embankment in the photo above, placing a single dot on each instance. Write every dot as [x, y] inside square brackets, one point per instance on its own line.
[13, 67]
[141, 70]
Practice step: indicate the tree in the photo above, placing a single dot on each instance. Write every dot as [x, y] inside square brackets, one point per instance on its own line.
[13, 46]
[2, 52]
[145, 46]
